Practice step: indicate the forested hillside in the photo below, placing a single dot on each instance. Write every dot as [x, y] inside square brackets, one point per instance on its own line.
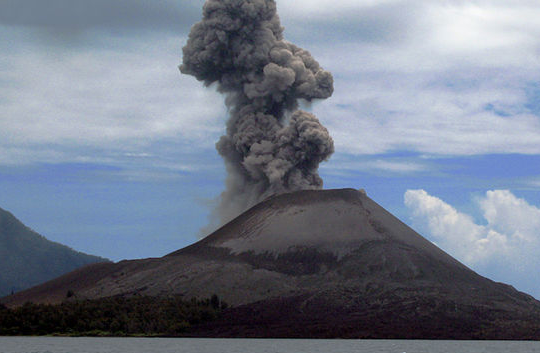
[28, 259]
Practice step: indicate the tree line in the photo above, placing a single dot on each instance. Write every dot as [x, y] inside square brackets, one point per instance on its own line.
[112, 316]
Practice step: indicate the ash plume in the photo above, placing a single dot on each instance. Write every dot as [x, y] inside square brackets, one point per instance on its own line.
[270, 147]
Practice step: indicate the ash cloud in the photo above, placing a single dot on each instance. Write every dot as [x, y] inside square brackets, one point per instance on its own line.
[270, 146]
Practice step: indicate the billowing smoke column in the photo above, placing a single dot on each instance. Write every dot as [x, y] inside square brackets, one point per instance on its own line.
[270, 146]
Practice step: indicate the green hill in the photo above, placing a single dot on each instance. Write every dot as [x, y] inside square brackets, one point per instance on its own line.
[28, 259]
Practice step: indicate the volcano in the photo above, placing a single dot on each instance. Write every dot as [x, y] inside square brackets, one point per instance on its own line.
[324, 263]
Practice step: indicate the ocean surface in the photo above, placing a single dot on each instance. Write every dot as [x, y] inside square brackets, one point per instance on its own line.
[181, 345]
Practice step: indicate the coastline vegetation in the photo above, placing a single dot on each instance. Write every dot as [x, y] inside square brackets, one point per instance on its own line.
[112, 316]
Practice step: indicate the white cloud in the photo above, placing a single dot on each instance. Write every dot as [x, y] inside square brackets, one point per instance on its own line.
[454, 231]
[456, 84]
[431, 121]
[434, 77]
[505, 248]
[345, 166]
[117, 100]
[511, 215]
[481, 26]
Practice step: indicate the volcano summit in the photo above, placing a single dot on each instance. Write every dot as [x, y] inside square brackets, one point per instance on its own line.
[317, 263]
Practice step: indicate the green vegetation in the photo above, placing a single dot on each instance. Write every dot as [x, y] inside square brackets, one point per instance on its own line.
[113, 316]
[28, 259]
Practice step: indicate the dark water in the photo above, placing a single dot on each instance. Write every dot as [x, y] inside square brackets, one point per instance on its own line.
[166, 345]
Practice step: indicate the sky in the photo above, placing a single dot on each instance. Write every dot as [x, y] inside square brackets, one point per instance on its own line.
[107, 148]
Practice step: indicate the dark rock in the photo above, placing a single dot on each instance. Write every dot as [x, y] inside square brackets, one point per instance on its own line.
[318, 264]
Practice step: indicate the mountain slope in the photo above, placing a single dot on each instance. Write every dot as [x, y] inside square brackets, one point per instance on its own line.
[27, 258]
[327, 263]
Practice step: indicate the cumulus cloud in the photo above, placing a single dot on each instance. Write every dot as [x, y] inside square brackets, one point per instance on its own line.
[513, 216]
[506, 247]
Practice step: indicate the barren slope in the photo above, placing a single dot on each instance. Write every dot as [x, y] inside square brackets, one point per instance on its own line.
[318, 263]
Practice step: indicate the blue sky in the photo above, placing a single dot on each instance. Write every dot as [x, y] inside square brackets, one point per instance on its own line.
[106, 147]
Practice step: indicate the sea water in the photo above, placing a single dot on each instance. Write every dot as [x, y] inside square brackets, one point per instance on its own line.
[186, 345]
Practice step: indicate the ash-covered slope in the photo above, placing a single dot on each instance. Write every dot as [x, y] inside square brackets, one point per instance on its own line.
[318, 264]
[330, 227]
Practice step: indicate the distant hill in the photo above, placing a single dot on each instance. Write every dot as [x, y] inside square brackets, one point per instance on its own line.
[327, 263]
[28, 259]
